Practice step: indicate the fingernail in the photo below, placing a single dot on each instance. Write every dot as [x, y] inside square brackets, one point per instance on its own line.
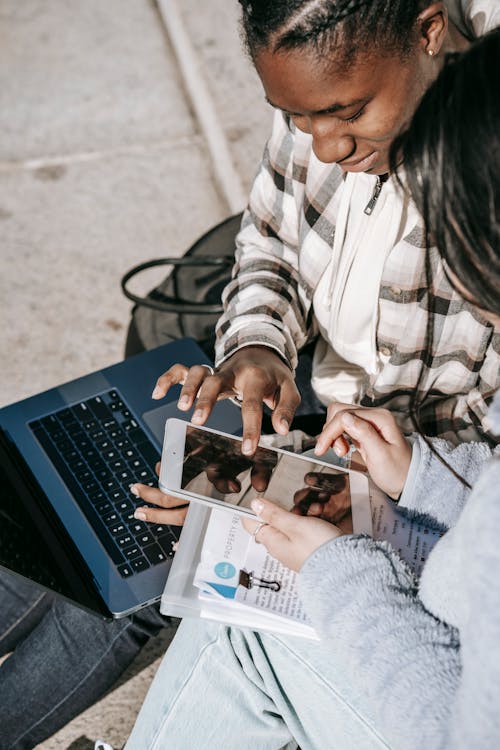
[157, 393]
[284, 424]
[247, 447]
[183, 402]
[338, 451]
[257, 506]
[197, 416]
[133, 489]
[348, 419]
[140, 515]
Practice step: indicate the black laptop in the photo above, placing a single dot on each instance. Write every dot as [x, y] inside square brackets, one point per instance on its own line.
[67, 458]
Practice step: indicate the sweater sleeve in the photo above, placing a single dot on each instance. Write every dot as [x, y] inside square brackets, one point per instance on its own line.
[476, 716]
[431, 489]
[434, 687]
[360, 593]
[264, 303]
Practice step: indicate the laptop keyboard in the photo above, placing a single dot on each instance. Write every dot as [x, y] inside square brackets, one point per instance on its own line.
[99, 450]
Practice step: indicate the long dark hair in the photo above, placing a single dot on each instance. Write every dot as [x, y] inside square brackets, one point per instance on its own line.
[342, 28]
[451, 158]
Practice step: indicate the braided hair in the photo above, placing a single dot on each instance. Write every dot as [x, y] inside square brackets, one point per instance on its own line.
[325, 26]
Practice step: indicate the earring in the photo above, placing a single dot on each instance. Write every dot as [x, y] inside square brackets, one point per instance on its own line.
[430, 52]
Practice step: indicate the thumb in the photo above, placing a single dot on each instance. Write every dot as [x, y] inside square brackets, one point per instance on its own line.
[271, 531]
[274, 515]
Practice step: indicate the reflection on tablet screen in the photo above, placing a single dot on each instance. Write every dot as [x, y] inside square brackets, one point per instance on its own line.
[214, 467]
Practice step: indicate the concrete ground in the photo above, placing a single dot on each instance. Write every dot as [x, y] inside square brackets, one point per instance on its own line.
[107, 159]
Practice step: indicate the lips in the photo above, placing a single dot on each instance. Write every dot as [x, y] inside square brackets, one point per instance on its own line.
[362, 165]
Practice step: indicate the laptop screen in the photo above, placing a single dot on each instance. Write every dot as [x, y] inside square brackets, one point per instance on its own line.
[29, 546]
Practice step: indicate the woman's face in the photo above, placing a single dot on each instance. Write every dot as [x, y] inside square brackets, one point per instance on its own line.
[352, 116]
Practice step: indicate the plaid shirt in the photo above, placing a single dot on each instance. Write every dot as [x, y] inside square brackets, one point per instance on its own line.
[283, 248]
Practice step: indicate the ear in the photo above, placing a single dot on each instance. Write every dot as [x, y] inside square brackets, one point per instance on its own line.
[432, 27]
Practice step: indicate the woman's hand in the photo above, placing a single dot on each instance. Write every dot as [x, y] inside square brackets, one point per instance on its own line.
[289, 538]
[376, 435]
[161, 509]
[254, 374]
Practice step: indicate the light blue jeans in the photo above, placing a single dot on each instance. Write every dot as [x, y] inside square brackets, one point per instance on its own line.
[220, 688]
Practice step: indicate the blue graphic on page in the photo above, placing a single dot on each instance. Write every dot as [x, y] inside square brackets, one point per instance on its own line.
[224, 570]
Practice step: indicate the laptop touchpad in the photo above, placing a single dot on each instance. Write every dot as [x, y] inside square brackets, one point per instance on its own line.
[225, 417]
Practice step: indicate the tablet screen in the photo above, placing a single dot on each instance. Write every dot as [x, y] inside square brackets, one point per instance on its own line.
[214, 467]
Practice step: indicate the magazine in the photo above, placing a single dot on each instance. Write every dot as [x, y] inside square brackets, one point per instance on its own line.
[220, 573]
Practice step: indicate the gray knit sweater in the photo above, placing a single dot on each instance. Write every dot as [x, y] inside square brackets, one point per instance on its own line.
[427, 652]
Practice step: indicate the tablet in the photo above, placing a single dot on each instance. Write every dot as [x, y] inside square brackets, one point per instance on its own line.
[205, 465]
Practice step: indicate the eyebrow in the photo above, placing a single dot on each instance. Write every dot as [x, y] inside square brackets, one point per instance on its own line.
[327, 111]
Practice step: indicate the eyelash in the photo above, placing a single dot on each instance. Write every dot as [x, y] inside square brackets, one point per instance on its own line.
[356, 116]
[347, 119]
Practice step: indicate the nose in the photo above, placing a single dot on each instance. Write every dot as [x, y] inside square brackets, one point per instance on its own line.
[330, 141]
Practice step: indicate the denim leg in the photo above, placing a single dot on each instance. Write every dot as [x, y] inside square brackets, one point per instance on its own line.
[22, 606]
[62, 665]
[218, 687]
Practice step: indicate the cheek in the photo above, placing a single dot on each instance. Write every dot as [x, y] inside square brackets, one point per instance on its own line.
[386, 123]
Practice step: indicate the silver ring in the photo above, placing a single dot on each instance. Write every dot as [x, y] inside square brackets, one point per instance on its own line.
[209, 368]
[258, 528]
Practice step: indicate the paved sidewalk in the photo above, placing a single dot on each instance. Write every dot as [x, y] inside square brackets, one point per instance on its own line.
[103, 164]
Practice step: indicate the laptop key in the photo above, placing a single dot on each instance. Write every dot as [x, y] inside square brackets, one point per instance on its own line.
[136, 527]
[116, 434]
[125, 477]
[65, 416]
[139, 564]
[123, 444]
[125, 570]
[84, 475]
[97, 465]
[144, 538]
[110, 424]
[123, 506]
[155, 554]
[81, 412]
[132, 552]
[103, 507]
[111, 518]
[51, 424]
[99, 408]
[118, 529]
[90, 487]
[124, 541]
[110, 485]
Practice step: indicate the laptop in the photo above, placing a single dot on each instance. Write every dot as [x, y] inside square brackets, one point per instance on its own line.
[67, 458]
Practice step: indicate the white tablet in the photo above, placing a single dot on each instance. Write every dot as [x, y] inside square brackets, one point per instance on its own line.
[205, 465]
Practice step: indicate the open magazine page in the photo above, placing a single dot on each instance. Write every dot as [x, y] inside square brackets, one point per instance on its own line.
[221, 573]
[409, 536]
[234, 567]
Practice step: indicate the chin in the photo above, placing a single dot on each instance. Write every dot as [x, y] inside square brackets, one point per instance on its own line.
[378, 169]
